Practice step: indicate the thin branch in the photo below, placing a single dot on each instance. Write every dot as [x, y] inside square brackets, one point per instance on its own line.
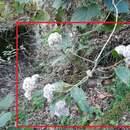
[85, 59]
[99, 55]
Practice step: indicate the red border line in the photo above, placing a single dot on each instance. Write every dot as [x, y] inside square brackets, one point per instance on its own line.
[16, 71]
[67, 22]
[56, 126]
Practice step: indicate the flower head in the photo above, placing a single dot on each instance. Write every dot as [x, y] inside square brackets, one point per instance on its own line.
[29, 84]
[127, 52]
[54, 39]
[61, 109]
[120, 49]
[48, 91]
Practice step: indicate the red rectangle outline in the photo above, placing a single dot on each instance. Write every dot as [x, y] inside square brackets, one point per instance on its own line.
[56, 126]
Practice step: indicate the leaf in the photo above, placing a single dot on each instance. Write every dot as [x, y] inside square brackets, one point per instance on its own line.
[122, 5]
[41, 15]
[6, 102]
[123, 74]
[59, 17]
[61, 86]
[4, 118]
[80, 98]
[57, 4]
[109, 27]
[85, 13]
[115, 54]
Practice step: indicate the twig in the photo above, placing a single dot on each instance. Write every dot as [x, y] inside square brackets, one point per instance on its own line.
[99, 55]
[82, 57]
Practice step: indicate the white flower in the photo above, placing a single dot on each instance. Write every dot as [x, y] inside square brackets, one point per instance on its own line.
[61, 109]
[120, 49]
[54, 39]
[29, 84]
[27, 94]
[48, 91]
[127, 52]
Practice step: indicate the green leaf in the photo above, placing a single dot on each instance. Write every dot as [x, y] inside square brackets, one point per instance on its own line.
[59, 17]
[57, 4]
[38, 103]
[115, 54]
[80, 98]
[41, 15]
[122, 5]
[6, 102]
[61, 86]
[85, 13]
[4, 118]
[123, 74]
[109, 27]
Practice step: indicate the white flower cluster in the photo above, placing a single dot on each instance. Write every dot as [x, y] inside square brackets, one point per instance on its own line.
[48, 91]
[60, 106]
[125, 51]
[54, 40]
[29, 84]
[61, 109]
